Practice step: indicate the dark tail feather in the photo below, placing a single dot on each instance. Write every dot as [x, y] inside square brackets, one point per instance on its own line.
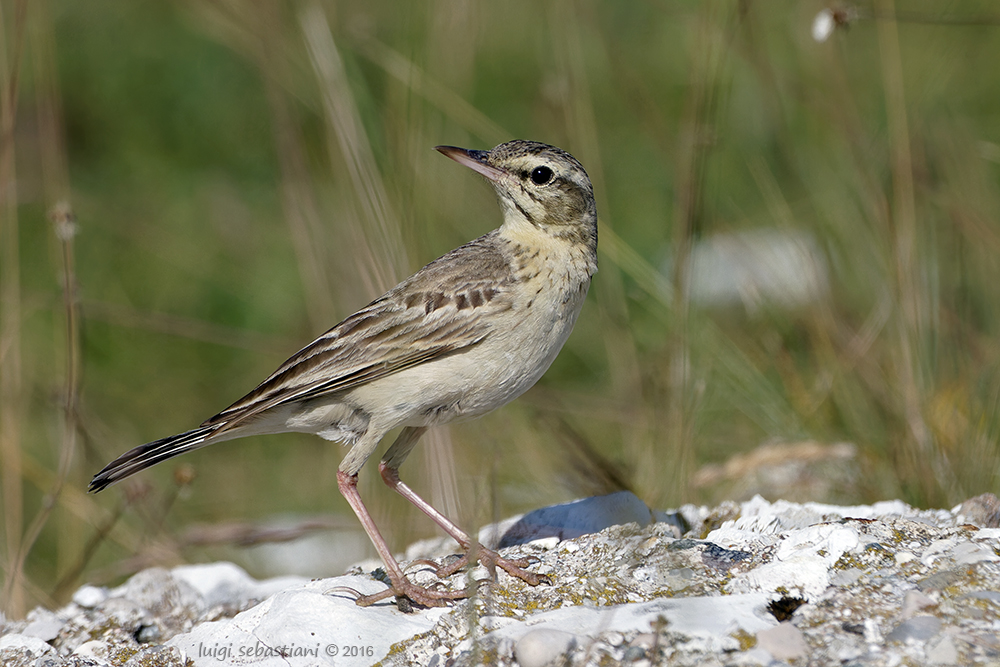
[150, 454]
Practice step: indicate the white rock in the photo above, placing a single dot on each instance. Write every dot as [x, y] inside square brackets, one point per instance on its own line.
[89, 596]
[783, 642]
[93, 650]
[829, 541]
[943, 652]
[873, 635]
[803, 558]
[32, 644]
[305, 626]
[802, 561]
[783, 548]
[542, 647]
[935, 550]
[226, 583]
[713, 619]
[545, 543]
[43, 624]
[914, 602]
[969, 553]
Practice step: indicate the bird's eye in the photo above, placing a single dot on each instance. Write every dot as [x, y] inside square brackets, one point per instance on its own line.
[541, 175]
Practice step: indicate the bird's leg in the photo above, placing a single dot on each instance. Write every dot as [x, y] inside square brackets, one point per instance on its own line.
[473, 550]
[401, 586]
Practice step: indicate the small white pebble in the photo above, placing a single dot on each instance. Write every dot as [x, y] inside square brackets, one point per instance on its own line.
[93, 650]
[545, 543]
[542, 647]
[904, 557]
[571, 547]
[89, 597]
[873, 635]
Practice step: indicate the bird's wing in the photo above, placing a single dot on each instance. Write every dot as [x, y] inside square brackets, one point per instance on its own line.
[436, 312]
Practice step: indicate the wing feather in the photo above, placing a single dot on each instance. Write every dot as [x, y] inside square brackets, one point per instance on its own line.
[440, 310]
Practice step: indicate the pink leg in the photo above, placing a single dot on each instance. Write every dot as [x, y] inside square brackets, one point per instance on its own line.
[472, 549]
[401, 586]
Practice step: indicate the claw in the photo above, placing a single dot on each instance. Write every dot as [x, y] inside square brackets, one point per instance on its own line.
[408, 594]
[423, 561]
[368, 600]
[343, 589]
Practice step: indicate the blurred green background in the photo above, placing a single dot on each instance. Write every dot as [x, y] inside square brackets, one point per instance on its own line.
[798, 276]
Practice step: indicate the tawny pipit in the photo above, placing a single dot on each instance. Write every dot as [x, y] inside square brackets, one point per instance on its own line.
[466, 334]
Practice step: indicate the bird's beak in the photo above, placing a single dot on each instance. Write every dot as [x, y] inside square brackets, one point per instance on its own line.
[474, 160]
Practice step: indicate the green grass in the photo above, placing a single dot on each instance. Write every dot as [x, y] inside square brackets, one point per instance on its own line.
[222, 224]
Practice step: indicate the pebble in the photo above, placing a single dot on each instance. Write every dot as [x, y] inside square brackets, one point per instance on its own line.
[45, 625]
[542, 647]
[89, 596]
[94, 650]
[943, 653]
[913, 602]
[784, 642]
[24, 644]
[916, 629]
[982, 511]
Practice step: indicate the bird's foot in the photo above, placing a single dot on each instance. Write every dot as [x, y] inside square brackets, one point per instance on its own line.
[406, 593]
[419, 595]
[492, 560]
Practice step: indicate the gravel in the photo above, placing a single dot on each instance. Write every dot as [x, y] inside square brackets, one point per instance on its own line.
[756, 583]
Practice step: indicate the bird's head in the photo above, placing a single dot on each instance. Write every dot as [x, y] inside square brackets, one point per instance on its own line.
[538, 184]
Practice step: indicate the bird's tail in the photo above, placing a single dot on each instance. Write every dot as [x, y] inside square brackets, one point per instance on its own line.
[152, 453]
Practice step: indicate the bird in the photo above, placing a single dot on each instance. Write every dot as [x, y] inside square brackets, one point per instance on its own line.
[466, 334]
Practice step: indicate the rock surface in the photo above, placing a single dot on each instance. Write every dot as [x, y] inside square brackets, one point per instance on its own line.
[756, 583]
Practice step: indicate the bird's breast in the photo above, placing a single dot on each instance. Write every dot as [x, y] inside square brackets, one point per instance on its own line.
[521, 344]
